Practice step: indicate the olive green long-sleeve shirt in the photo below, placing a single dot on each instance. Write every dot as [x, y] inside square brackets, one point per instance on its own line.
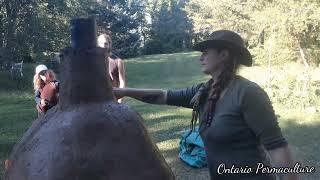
[244, 122]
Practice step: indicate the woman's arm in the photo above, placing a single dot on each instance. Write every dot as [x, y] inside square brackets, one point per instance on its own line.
[179, 98]
[281, 157]
[152, 96]
[122, 78]
[37, 97]
[258, 113]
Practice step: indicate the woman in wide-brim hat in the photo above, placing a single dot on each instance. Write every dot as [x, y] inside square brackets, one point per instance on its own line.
[236, 118]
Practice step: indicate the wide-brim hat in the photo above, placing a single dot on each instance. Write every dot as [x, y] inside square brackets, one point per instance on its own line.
[227, 39]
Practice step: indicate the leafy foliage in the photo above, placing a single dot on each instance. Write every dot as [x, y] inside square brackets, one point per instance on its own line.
[125, 20]
[39, 28]
[277, 31]
[170, 29]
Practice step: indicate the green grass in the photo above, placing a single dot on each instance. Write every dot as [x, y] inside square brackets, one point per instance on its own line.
[165, 123]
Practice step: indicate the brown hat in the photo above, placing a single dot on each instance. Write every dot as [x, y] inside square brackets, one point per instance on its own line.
[227, 39]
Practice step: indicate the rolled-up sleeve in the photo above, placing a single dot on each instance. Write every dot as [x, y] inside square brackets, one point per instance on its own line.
[182, 97]
[258, 113]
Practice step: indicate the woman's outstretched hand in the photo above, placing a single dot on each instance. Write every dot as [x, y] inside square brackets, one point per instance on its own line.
[118, 92]
[152, 96]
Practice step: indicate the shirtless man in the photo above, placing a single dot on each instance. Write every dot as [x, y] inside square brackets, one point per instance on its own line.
[116, 65]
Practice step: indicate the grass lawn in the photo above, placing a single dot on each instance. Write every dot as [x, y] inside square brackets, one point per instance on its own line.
[165, 123]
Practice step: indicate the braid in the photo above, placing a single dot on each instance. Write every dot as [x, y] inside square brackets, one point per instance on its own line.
[216, 89]
[195, 101]
[213, 90]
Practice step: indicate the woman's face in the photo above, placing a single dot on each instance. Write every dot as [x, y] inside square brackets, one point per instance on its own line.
[104, 43]
[45, 76]
[211, 60]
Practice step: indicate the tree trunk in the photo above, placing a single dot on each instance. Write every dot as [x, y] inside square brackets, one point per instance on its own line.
[302, 54]
[10, 30]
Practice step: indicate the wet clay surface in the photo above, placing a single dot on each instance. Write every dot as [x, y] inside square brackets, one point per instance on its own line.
[88, 136]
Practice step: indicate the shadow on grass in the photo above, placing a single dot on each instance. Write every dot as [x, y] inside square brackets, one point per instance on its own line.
[304, 136]
[170, 119]
[181, 170]
[303, 140]
[171, 133]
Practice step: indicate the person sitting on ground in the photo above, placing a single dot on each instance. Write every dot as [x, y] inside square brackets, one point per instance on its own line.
[237, 122]
[116, 69]
[46, 88]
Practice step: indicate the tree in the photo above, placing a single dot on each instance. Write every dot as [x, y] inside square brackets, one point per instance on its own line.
[170, 29]
[292, 27]
[33, 27]
[13, 16]
[124, 19]
[285, 27]
[40, 28]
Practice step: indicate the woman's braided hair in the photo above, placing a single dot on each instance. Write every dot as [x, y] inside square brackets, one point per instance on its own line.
[212, 90]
